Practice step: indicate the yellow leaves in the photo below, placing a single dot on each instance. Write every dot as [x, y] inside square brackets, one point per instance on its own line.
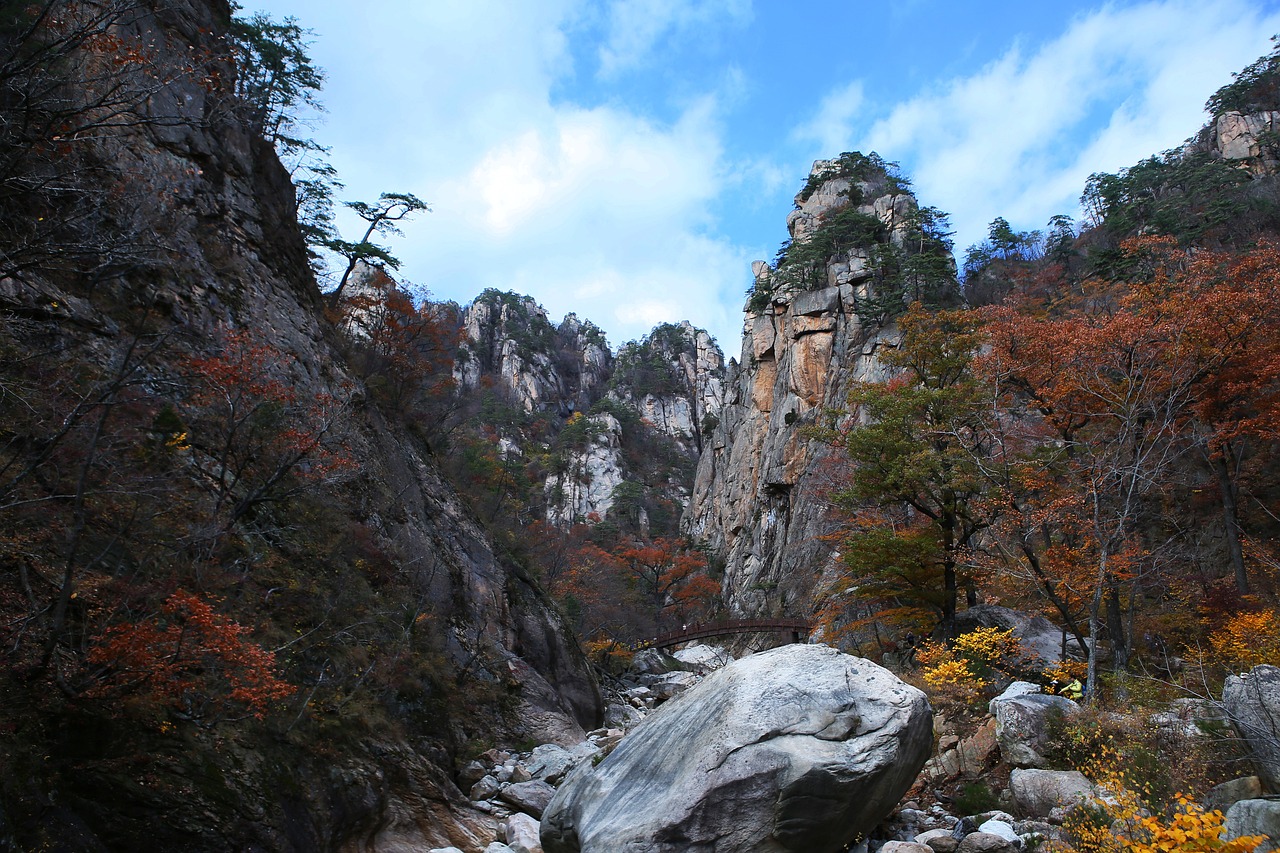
[1248, 639]
[1120, 824]
[951, 672]
[991, 646]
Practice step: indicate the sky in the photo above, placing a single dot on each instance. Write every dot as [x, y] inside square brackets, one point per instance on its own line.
[627, 160]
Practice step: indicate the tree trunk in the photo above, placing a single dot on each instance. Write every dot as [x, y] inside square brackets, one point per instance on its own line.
[1231, 519]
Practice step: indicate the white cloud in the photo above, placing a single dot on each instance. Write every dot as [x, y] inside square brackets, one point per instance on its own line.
[635, 27]
[832, 128]
[1009, 140]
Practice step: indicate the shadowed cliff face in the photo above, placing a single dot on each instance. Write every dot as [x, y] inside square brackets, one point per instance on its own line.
[375, 560]
[761, 495]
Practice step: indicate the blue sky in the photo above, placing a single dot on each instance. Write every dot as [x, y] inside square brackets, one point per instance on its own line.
[628, 159]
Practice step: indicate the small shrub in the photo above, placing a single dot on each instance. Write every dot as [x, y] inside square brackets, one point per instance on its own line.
[975, 798]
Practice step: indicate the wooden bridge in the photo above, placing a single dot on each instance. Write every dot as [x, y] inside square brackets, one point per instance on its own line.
[796, 630]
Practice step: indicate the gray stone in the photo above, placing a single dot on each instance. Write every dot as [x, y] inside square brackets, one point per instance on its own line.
[905, 847]
[471, 773]
[619, 716]
[550, 762]
[487, 787]
[703, 657]
[816, 301]
[799, 748]
[1224, 796]
[985, 842]
[520, 773]
[1017, 688]
[1252, 701]
[943, 843]
[530, 797]
[498, 847]
[1255, 817]
[1021, 726]
[1000, 828]
[444, 850]
[522, 834]
[1039, 792]
[929, 835]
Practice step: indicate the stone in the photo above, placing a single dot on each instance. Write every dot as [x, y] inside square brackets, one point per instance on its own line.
[498, 847]
[984, 842]
[444, 850]
[822, 301]
[522, 834]
[703, 657]
[655, 662]
[471, 773]
[943, 843]
[617, 715]
[550, 763]
[799, 748]
[1252, 701]
[1022, 726]
[1224, 796]
[530, 797]
[905, 847]
[929, 835]
[1000, 828]
[520, 773]
[1017, 688]
[487, 787]
[1255, 817]
[1038, 792]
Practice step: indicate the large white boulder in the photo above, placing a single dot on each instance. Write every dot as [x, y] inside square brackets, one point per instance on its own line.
[797, 749]
[1252, 701]
[1039, 792]
[1022, 725]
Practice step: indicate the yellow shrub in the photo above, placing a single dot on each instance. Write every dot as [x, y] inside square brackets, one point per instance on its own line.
[1248, 639]
[994, 647]
[1121, 825]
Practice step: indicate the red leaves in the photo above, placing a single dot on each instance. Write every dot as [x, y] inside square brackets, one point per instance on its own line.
[190, 659]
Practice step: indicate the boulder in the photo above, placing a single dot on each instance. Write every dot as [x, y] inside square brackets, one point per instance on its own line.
[522, 834]
[796, 749]
[1022, 725]
[905, 847]
[1252, 701]
[985, 842]
[655, 662]
[498, 847]
[1017, 688]
[1226, 795]
[1255, 817]
[529, 797]
[550, 763]
[1039, 792]
[704, 658]
[485, 788]
[1000, 828]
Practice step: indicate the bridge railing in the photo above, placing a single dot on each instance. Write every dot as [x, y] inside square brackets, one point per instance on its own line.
[798, 628]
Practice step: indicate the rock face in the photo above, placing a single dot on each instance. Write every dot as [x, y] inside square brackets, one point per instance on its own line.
[1247, 138]
[1255, 817]
[758, 499]
[674, 380]
[591, 473]
[229, 255]
[1252, 701]
[796, 749]
[1021, 725]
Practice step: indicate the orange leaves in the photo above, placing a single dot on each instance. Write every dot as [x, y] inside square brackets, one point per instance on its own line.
[190, 659]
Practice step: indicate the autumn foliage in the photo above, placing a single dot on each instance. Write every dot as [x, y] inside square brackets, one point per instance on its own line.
[190, 659]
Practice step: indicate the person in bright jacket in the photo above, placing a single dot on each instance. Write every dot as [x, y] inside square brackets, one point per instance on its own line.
[1074, 690]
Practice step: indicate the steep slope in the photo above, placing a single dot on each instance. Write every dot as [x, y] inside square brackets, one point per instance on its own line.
[585, 428]
[814, 326]
[319, 524]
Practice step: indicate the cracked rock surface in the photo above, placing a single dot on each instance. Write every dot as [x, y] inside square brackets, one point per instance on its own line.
[800, 748]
